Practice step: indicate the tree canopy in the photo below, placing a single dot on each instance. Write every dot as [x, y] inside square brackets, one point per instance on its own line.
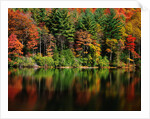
[90, 36]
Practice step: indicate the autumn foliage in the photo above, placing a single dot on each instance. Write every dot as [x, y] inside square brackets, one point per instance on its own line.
[87, 34]
[83, 41]
[130, 45]
[14, 46]
[21, 25]
[127, 12]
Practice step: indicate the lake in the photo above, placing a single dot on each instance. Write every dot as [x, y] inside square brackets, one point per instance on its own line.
[74, 89]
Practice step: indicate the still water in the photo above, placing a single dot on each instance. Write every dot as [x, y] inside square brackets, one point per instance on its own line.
[74, 90]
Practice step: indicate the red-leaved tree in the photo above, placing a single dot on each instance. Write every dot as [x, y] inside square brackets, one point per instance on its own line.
[14, 46]
[24, 27]
[130, 45]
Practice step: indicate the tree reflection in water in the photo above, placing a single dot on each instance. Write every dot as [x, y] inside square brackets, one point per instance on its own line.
[74, 89]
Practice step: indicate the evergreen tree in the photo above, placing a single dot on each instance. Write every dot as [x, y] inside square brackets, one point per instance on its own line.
[111, 25]
[25, 10]
[62, 28]
[39, 15]
[87, 22]
[99, 13]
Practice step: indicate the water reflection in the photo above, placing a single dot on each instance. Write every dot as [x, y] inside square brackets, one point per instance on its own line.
[74, 89]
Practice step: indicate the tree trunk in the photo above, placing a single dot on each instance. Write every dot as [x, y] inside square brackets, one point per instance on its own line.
[40, 42]
[33, 53]
[133, 62]
[110, 55]
[44, 48]
[129, 58]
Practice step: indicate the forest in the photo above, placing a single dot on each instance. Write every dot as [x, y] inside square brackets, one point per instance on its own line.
[74, 37]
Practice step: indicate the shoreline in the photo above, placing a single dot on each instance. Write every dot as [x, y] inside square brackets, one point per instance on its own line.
[70, 67]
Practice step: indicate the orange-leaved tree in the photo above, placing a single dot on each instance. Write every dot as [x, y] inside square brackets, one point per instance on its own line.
[82, 43]
[25, 29]
[14, 47]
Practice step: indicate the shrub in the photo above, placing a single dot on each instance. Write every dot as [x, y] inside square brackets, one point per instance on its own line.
[76, 63]
[103, 61]
[44, 61]
[119, 64]
[23, 61]
[65, 58]
[39, 60]
[84, 61]
[56, 58]
[62, 61]
[68, 57]
[49, 61]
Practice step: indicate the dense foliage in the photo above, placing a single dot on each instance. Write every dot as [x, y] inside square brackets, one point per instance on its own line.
[74, 37]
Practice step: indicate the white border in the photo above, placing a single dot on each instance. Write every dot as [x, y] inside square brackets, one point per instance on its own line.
[144, 113]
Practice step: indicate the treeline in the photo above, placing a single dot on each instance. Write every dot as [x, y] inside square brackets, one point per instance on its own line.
[74, 37]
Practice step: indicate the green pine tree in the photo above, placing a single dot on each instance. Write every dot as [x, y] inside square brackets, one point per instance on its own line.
[87, 22]
[39, 15]
[63, 29]
[111, 25]
[99, 13]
